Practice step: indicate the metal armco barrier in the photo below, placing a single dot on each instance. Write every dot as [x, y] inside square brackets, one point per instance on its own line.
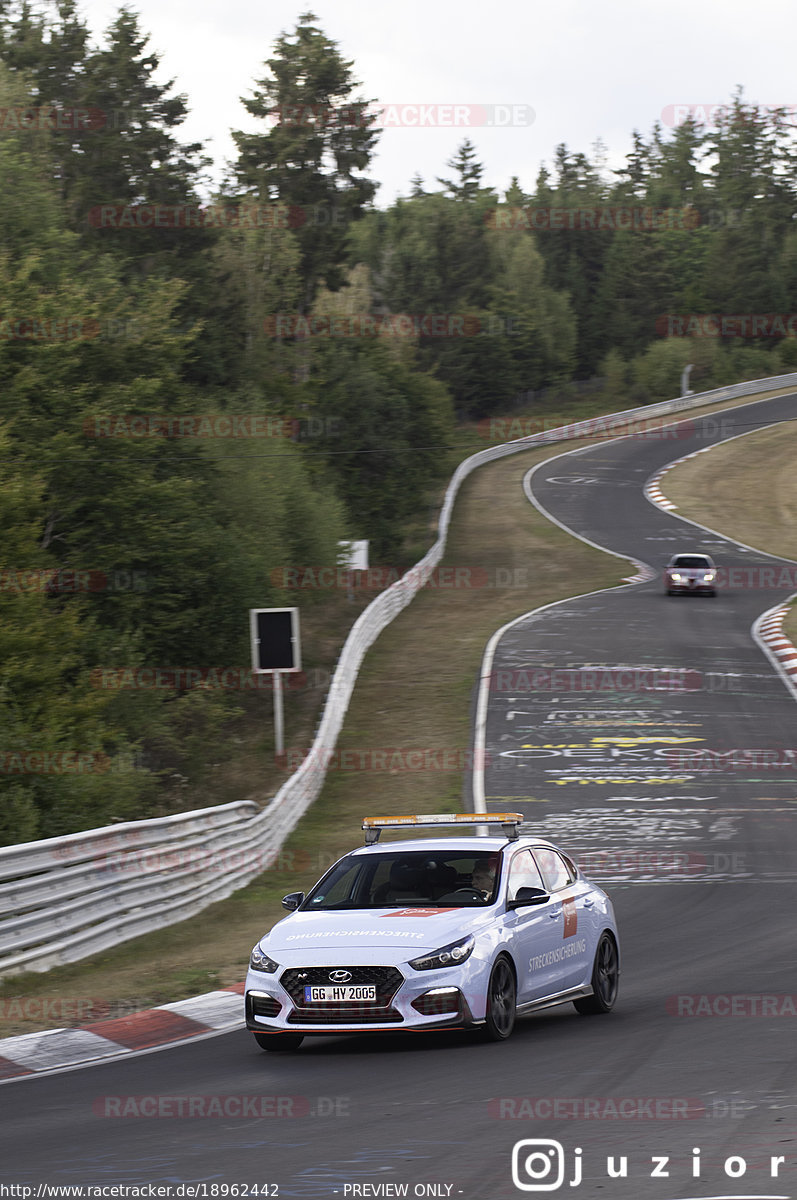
[63, 899]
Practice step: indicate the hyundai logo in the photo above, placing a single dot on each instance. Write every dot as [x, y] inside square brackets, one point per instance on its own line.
[339, 976]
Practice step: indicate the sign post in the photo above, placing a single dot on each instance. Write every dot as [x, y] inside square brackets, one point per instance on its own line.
[276, 649]
[279, 724]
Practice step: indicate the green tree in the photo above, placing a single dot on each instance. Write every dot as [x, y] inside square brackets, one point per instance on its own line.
[63, 753]
[754, 195]
[114, 142]
[166, 532]
[514, 195]
[566, 201]
[315, 155]
[385, 427]
[467, 186]
[536, 324]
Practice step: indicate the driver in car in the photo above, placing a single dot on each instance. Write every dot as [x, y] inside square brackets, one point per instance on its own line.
[483, 877]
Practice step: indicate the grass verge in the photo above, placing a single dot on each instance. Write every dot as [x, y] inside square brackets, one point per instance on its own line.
[746, 489]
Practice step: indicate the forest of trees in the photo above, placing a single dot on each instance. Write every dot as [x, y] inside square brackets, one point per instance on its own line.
[139, 311]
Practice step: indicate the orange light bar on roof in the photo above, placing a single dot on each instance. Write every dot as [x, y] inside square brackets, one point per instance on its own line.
[373, 826]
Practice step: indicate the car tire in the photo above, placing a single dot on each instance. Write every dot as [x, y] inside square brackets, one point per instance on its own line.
[605, 979]
[279, 1041]
[501, 1001]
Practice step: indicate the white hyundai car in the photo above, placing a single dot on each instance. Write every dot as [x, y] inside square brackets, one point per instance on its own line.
[450, 932]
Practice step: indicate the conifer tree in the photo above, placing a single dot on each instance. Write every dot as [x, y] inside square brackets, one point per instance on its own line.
[316, 150]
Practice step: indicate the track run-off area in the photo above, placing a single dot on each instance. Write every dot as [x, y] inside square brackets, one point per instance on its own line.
[652, 738]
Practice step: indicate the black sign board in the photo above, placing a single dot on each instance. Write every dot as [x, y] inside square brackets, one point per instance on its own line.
[275, 639]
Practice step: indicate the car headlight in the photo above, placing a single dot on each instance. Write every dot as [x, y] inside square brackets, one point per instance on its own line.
[449, 956]
[674, 575]
[259, 961]
[709, 575]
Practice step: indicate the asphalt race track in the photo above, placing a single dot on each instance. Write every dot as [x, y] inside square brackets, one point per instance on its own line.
[618, 723]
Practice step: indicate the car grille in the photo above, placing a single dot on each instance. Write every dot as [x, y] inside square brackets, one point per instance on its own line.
[387, 980]
[345, 1014]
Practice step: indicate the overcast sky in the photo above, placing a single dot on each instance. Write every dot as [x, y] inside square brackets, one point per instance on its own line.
[572, 71]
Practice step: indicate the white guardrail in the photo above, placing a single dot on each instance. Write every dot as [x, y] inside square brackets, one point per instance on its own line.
[63, 899]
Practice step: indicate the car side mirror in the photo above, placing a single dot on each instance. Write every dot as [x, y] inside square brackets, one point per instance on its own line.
[292, 901]
[528, 895]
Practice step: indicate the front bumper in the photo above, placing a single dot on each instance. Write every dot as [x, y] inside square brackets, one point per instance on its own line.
[695, 586]
[406, 1000]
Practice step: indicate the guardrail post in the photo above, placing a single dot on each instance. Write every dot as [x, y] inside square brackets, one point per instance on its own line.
[685, 391]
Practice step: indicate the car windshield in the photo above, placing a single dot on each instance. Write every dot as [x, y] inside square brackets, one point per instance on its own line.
[692, 560]
[407, 879]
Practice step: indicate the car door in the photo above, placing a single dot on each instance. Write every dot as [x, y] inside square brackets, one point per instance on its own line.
[534, 931]
[572, 917]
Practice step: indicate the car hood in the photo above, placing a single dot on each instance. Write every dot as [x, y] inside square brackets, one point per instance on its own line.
[406, 930]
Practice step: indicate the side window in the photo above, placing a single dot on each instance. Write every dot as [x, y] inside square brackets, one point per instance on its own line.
[523, 873]
[571, 867]
[554, 871]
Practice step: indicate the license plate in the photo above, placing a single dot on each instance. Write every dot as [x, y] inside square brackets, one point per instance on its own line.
[339, 993]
